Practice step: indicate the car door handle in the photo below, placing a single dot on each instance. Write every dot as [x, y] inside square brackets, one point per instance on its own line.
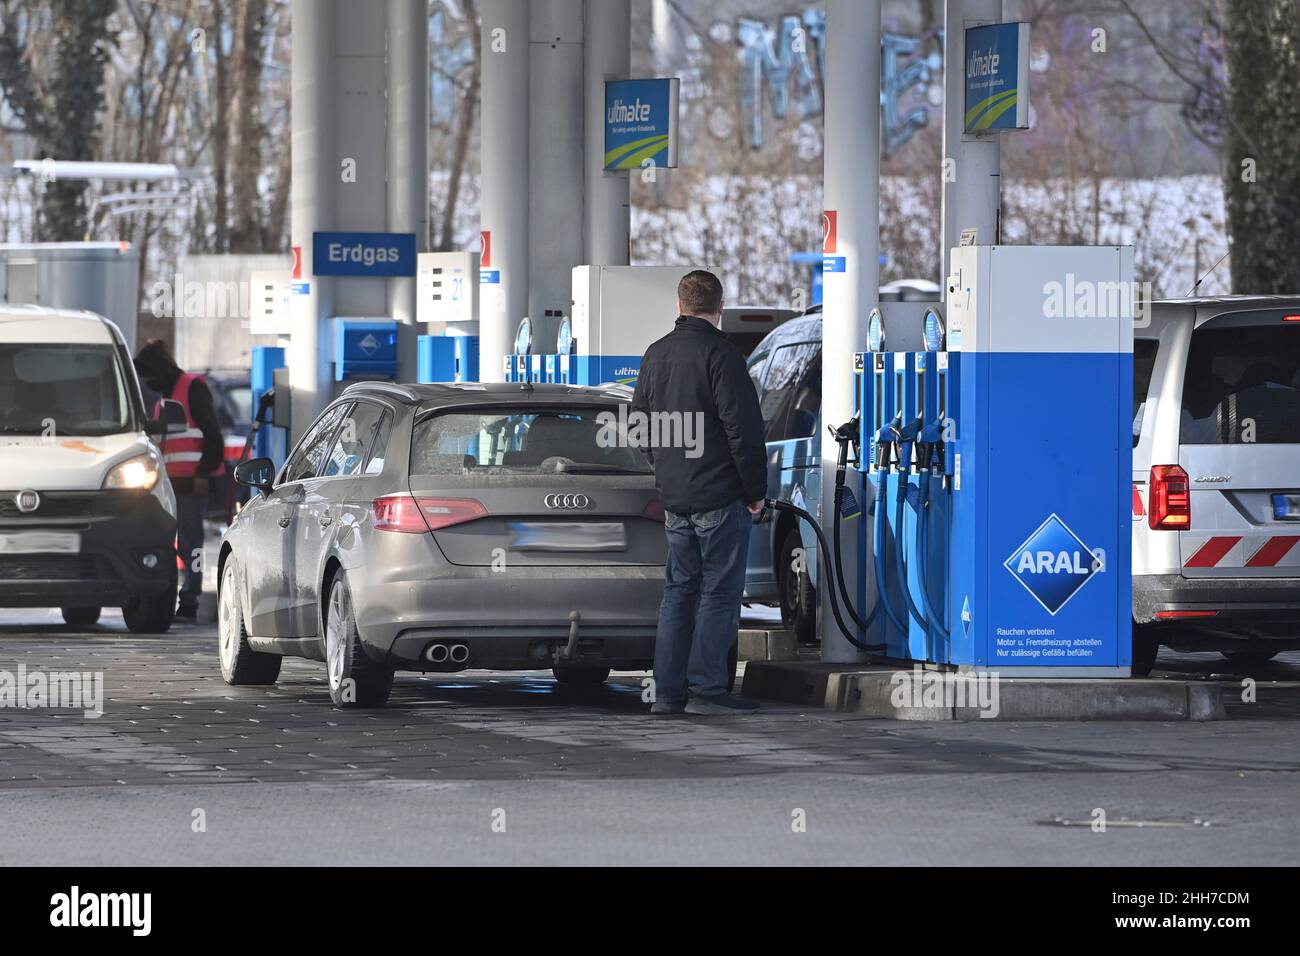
[284, 522]
[326, 520]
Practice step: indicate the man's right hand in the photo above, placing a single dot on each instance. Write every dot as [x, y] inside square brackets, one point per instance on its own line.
[756, 507]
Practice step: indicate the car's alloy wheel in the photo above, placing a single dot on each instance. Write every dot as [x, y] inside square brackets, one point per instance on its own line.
[240, 664]
[354, 679]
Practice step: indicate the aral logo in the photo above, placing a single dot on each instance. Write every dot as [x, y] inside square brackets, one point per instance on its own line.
[1053, 564]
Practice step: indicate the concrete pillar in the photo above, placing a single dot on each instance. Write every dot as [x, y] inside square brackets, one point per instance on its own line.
[608, 55]
[408, 158]
[973, 198]
[504, 176]
[852, 189]
[554, 166]
[315, 168]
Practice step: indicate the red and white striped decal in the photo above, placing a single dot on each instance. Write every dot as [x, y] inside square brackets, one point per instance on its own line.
[1212, 552]
[1272, 552]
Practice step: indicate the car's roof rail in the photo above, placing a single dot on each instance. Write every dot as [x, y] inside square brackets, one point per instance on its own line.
[401, 392]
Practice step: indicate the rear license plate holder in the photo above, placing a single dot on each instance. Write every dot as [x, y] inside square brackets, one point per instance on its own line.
[40, 542]
[1286, 507]
[569, 536]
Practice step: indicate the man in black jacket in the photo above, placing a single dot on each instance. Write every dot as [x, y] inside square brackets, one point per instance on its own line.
[696, 401]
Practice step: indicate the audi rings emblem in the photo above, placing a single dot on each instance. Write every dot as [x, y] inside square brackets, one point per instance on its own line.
[27, 501]
[567, 502]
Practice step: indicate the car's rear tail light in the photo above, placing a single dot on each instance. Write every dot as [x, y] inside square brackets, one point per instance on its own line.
[654, 511]
[1291, 318]
[1170, 499]
[411, 515]
[1174, 615]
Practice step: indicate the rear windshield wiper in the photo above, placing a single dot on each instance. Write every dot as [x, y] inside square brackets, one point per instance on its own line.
[593, 468]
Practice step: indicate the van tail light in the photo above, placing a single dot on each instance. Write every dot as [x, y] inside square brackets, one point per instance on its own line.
[1182, 615]
[411, 515]
[1170, 499]
[654, 511]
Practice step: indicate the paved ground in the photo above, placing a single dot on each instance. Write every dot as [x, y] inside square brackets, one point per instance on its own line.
[512, 769]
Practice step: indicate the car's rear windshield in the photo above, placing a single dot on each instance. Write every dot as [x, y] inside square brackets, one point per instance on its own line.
[1242, 386]
[525, 441]
[62, 389]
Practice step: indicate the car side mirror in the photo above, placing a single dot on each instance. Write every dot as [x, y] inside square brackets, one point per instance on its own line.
[171, 420]
[256, 473]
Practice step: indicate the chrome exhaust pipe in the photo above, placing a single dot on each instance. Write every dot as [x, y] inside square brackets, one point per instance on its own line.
[459, 653]
[436, 653]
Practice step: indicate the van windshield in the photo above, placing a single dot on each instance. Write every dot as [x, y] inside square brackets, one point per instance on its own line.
[1242, 385]
[56, 389]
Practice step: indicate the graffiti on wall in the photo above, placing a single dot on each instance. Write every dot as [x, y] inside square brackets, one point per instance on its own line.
[783, 65]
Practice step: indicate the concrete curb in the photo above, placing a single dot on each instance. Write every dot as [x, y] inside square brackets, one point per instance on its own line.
[762, 645]
[899, 694]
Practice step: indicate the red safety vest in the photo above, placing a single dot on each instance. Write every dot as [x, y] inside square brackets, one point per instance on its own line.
[181, 452]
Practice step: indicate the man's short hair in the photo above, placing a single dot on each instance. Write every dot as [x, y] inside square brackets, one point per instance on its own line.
[700, 293]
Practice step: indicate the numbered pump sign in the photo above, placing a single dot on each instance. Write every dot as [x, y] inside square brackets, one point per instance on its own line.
[641, 123]
[997, 77]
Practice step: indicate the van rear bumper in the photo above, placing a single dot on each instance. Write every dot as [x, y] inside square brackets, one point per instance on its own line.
[1237, 603]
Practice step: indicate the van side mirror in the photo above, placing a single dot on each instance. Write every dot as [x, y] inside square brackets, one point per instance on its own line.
[256, 473]
[171, 420]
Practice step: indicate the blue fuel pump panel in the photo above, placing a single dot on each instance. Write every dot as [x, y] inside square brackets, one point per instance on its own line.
[1041, 467]
[365, 349]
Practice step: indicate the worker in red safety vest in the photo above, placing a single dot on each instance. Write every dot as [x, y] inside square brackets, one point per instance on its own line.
[191, 457]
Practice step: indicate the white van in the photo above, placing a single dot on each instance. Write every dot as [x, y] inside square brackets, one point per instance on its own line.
[87, 515]
[1216, 478]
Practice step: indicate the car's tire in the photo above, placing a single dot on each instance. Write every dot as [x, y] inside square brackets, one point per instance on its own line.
[1248, 658]
[580, 676]
[354, 679]
[152, 615]
[798, 596]
[240, 664]
[80, 617]
[1146, 646]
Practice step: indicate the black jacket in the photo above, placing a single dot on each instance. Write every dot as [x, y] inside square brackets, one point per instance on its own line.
[695, 371]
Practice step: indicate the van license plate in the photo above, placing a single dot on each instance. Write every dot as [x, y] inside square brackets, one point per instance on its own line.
[1286, 507]
[567, 536]
[40, 542]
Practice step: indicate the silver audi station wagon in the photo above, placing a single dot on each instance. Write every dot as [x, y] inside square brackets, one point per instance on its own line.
[441, 527]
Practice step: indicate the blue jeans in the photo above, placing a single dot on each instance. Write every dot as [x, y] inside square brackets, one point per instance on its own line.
[700, 613]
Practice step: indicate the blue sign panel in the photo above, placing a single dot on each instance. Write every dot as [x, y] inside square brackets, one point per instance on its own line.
[997, 77]
[641, 123]
[363, 253]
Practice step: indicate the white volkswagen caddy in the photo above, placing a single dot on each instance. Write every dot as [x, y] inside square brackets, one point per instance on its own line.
[1216, 478]
[87, 515]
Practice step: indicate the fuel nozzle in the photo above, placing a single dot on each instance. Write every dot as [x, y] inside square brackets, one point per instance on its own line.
[845, 435]
[905, 437]
[929, 446]
[885, 442]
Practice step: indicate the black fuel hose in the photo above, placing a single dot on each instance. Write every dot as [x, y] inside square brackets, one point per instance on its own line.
[826, 560]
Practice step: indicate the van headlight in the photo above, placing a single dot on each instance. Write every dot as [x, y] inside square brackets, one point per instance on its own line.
[140, 472]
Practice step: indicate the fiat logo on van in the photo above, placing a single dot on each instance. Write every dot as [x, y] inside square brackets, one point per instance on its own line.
[567, 502]
[27, 501]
